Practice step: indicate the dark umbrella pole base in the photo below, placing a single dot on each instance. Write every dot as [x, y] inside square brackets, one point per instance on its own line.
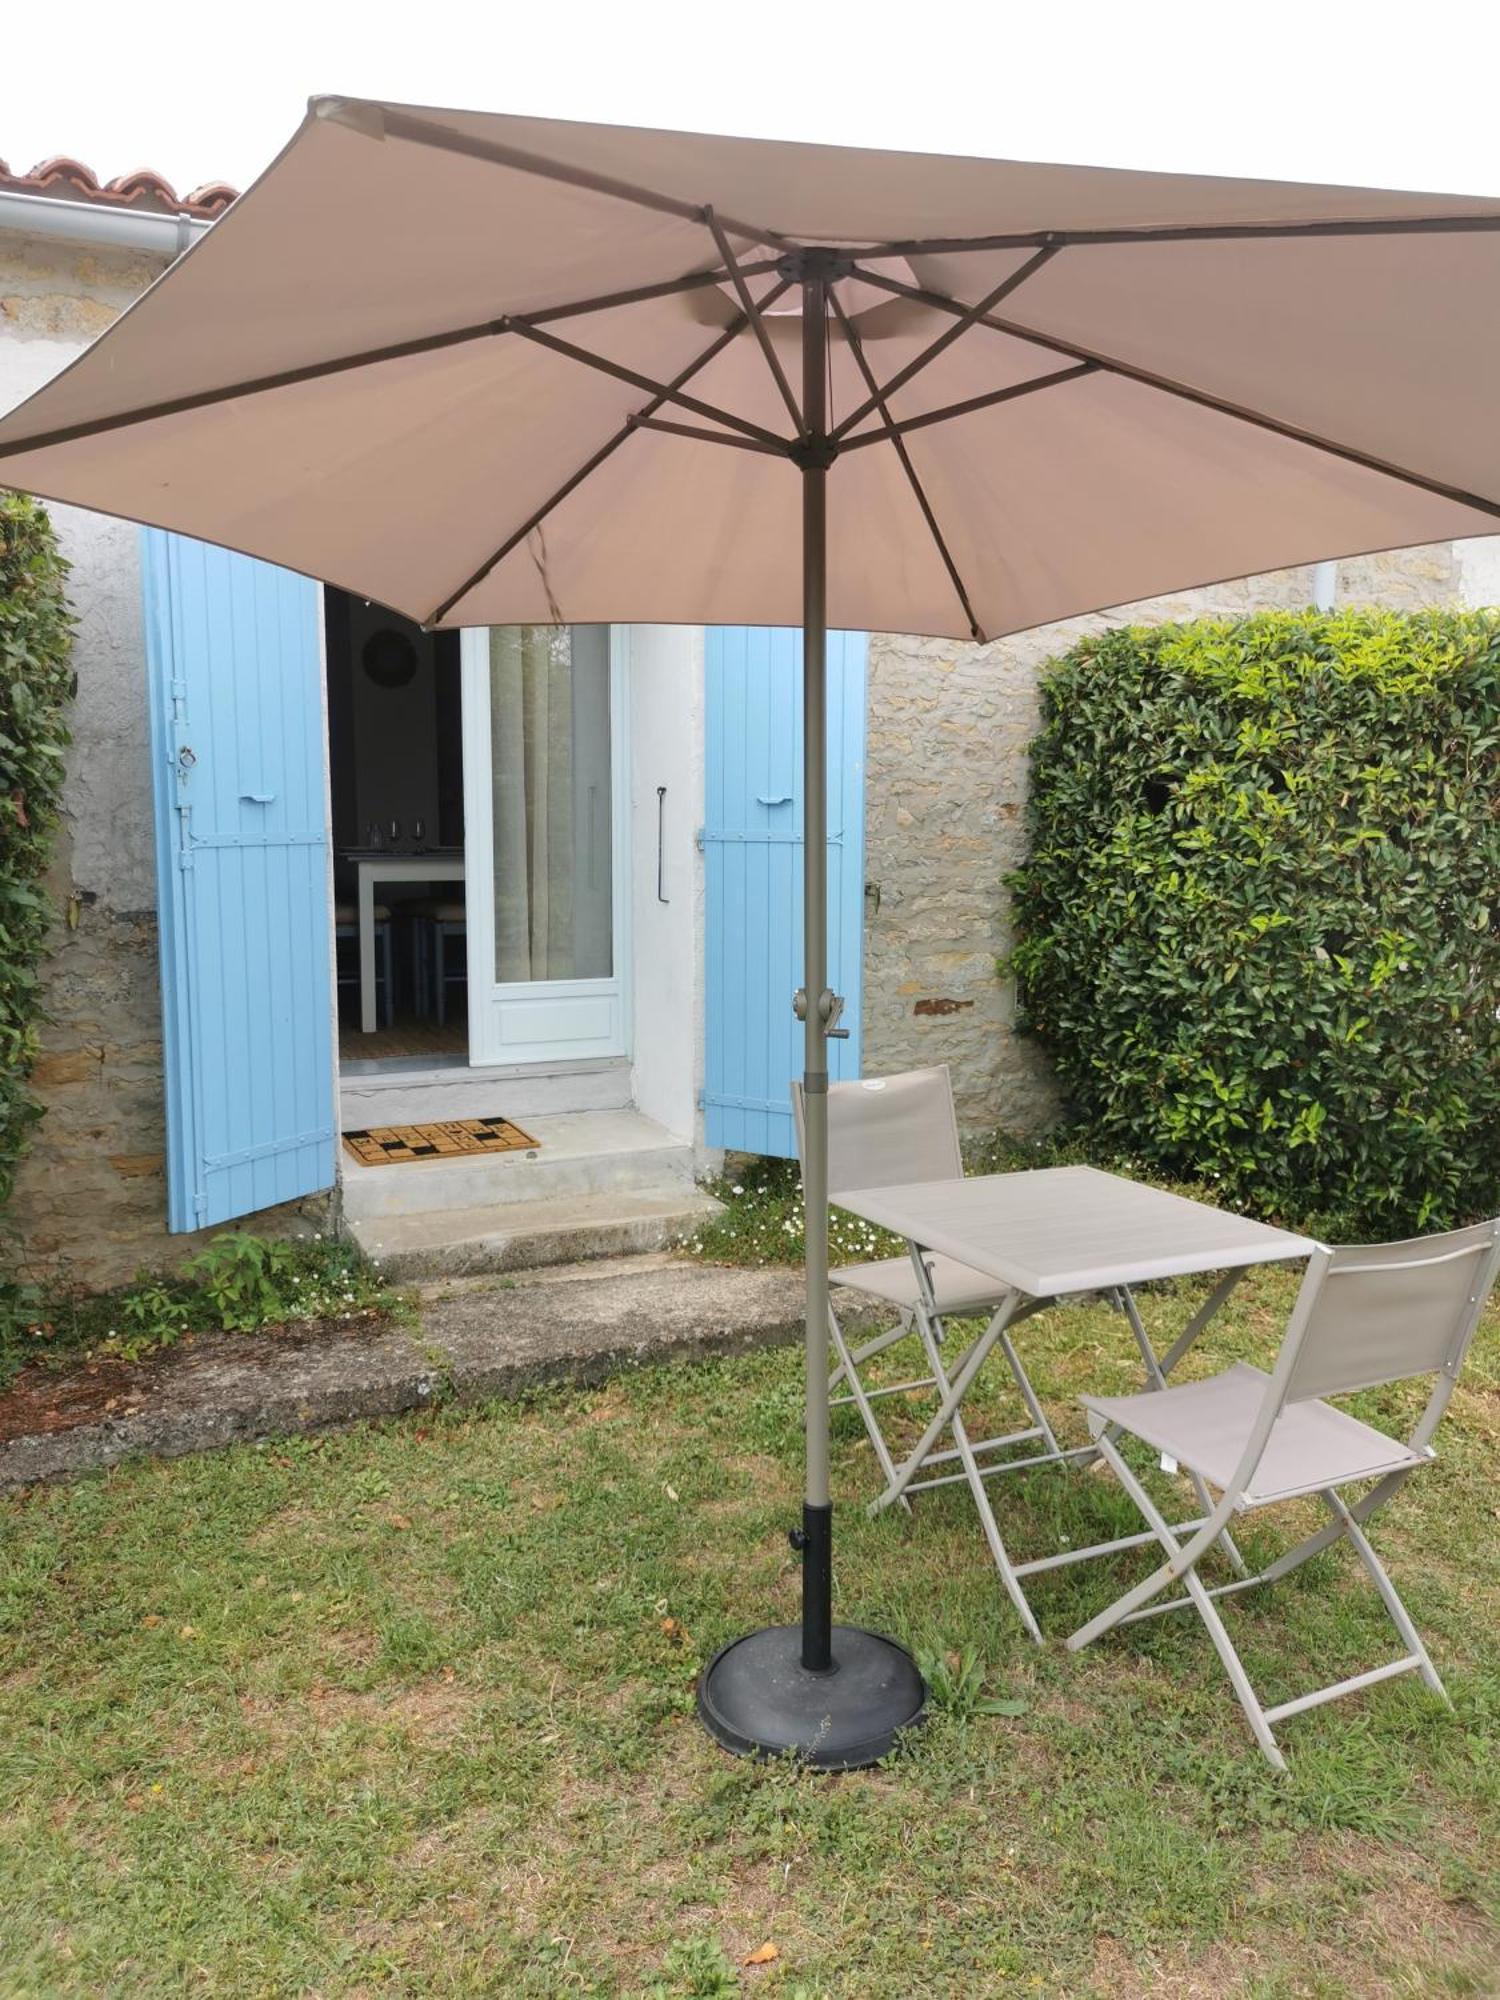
[757, 1699]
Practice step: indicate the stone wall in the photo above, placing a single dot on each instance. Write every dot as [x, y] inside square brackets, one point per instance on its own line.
[946, 780]
[90, 1201]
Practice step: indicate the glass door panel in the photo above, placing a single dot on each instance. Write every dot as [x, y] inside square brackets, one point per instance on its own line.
[550, 802]
[545, 841]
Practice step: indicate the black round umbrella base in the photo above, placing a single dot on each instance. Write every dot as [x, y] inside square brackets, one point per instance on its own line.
[757, 1698]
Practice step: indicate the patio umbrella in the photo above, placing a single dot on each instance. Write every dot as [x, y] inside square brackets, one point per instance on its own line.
[496, 370]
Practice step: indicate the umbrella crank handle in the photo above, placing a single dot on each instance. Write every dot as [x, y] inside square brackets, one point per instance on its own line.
[830, 1006]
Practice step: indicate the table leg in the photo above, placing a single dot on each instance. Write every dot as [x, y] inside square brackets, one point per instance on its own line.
[1200, 1320]
[999, 1554]
[958, 1388]
[366, 951]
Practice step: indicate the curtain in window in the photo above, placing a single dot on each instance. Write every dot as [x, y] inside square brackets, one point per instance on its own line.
[549, 734]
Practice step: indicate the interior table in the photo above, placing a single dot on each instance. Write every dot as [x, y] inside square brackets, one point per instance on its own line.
[437, 864]
[1043, 1235]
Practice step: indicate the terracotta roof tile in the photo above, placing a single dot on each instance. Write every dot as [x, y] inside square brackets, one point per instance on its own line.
[148, 193]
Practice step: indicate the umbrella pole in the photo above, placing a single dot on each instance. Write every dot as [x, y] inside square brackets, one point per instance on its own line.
[836, 1696]
[816, 1001]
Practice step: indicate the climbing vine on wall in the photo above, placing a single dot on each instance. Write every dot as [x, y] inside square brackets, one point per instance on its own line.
[36, 687]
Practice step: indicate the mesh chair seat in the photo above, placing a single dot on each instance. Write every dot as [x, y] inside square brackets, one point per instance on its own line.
[958, 1288]
[1206, 1425]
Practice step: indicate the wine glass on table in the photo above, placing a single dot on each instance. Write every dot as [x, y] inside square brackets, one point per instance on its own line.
[395, 833]
[419, 833]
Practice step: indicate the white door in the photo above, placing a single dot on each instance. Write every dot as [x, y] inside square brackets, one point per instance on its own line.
[545, 842]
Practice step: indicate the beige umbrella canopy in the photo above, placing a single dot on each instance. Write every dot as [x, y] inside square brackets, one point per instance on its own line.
[1208, 377]
[493, 370]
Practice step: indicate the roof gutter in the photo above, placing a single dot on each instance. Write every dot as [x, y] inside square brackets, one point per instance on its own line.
[89, 222]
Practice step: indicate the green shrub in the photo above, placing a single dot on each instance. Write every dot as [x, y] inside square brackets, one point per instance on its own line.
[238, 1284]
[1259, 925]
[35, 689]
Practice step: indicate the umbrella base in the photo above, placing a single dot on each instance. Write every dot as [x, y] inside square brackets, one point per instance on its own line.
[757, 1699]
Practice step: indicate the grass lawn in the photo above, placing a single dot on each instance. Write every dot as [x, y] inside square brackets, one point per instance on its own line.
[410, 1710]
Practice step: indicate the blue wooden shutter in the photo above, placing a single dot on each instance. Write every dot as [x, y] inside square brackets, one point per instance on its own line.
[752, 842]
[235, 669]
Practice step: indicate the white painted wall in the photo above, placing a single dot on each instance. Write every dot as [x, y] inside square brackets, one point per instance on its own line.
[1479, 569]
[666, 748]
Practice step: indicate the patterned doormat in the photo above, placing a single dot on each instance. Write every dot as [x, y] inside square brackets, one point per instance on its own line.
[392, 1145]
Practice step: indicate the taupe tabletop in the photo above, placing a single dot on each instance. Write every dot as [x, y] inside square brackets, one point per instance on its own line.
[1071, 1229]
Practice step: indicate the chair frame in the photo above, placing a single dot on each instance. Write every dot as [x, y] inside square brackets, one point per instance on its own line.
[931, 1467]
[1347, 1521]
[1014, 1308]
[434, 935]
[385, 966]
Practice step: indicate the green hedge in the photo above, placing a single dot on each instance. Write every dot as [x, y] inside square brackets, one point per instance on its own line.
[1259, 925]
[35, 690]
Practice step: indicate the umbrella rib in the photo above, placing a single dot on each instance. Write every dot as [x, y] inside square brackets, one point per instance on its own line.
[710, 437]
[425, 132]
[896, 428]
[967, 317]
[593, 462]
[634, 295]
[1112, 364]
[752, 313]
[667, 392]
[315, 371]
[856, 348]
[1208, 232]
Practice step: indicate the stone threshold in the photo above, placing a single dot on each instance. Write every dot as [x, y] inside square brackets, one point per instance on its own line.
[474, 1339]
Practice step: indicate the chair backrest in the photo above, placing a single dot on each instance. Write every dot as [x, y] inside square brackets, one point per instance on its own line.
[1385, 1312]
[886, 1130]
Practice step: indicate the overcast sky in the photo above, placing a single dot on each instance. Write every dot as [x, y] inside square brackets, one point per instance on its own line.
[1381, 94]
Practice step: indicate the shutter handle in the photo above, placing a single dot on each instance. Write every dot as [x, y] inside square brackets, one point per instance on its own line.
[257, 798]
[781, 799]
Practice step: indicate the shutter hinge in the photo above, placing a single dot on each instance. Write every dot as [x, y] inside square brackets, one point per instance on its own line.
[698, 839]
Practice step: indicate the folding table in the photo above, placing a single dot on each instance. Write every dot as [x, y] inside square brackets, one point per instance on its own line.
[1042, 1235]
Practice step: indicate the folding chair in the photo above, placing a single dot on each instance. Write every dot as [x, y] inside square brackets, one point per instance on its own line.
[1364, 1316]
[885, 1132]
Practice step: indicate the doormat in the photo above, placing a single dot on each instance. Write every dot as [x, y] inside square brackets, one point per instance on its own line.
[391, 1145]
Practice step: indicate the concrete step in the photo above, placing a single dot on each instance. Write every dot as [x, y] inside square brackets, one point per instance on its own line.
[419, 1094]
[522, 1235]
[476, 1339]
[578, 1153]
